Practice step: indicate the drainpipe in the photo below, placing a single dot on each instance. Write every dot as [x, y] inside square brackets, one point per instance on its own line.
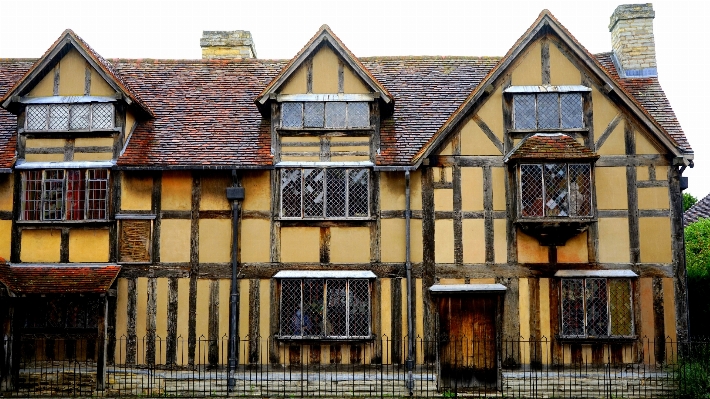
[408, 266]
[236, 195]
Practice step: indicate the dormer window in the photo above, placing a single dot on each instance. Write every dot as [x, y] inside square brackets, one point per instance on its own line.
[325, 115]
[548, 111]
[69, 117]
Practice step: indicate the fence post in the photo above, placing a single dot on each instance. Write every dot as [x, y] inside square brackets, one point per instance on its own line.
[101, 344]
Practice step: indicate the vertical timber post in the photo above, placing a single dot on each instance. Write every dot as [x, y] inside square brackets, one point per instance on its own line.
[236, 195]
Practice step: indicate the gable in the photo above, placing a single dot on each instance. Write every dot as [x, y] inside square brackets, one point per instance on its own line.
[328, 74]
[73, 76]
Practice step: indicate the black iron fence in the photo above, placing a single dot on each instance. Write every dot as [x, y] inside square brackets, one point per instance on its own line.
[448, 367]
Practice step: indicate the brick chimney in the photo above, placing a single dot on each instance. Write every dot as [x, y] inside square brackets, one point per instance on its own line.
[631, 27]
[227, 44]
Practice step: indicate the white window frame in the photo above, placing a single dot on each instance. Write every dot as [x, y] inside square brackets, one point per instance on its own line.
[72, 106]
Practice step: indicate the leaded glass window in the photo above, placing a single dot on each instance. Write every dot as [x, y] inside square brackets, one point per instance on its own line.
[596, 307]
[328, 114]
[548, 111]
[316, 193]
[67, 117]
[555, 190]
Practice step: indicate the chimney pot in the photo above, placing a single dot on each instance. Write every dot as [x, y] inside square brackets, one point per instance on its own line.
[631, 27]
[227, 44]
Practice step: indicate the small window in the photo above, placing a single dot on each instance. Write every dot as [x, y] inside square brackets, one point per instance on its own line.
[134, 244]
[325, 308]
[548, 111]
[68, 117]
[325, 193]
[555, 190]
[59, 194]
[596, 307]
[330, 115]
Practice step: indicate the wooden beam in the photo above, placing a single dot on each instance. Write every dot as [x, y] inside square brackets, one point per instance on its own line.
[545, 61]
[632, 193]
[194, 268]
[488, 207]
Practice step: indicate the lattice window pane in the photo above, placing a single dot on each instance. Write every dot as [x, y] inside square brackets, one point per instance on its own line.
[32, 195]
[58, 117]
[97, 195]
[336, 311]
[335, 114]
[79, 116]
[555, 176]
[291, 193]
[291, 315]
[76, 194]
[102, 116]
[548, 111]
[36, 117]
[313, 114]
[580, 188]
[524, 111]
[597, 315]
[572, 307]
[55, 314]
[313, 192]
[359, 306]
[571, 107]
[531, 190]
[135, 240]
[53, 195]
[292, 115]
[358, 183]
[358, 114]
[620, 307]
[312, 308]
[336, 193]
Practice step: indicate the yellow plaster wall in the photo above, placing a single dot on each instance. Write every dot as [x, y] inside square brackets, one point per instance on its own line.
[614, 240]
[161, 318]
[604, 112]
[647, 325]
[530, 250]
[6, 184]
[121, 317]
[669, 326]
[352, 84]
[99, 87]
[415, 190]
[491, 112]
[40, 245]
[300, 244]
[213, 194]
[202, 319]
[5, 238]
[645, 145]
[655, 240]
[136, 191]
[653, 198]
[475, 142]
[93, 156]
[257, 190]
[500, 241]
[42, 143]
[419, 318]
[444, 241]
[386, 313]
[183, 317]
[215, 240]
[176, 191]
[264, 317]
[545, 319]
[575, 250]
[350, 244]
[224, 288]
[416, 241]
[615, 143]
[44, 157]
[88, 245]
[562, 71]
[45, 87]
[642, 173]
[243, 316]
[255, 240]
[524, 314]
[296, 83]
[175, 240]
[443, 199]
[141, 317]
[130, 122]
[93, 141]
[472, 189]
[392, 186]
[528, 70]
[611, 188]
[474, 241]
[72, 74]
[661, 172]
[325, 71]
[498, 184]
[447, 149]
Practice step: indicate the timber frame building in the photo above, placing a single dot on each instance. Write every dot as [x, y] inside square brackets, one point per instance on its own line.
[332, 200]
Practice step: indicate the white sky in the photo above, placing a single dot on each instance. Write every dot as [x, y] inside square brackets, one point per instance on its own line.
[172, 29]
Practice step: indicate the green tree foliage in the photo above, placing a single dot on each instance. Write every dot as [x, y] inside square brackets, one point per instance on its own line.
[688, 201]
[697, 260]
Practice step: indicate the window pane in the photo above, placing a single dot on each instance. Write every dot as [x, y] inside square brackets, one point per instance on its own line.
[32, 194]
[336, 325]
[79, 116]
[291, 317]
[134, 243]
[53, 201]
[597, 316]
[312, 308]
[102, 116]
[358, 114]
[292, 115]
[313, 193]
[313, 114]
[75, 195]
[358, 182]
[291, 193]
[571, 106]
[524, 111]
[555, 176]
[97, 207]
[359, 308]
[548, 112]
[572, 307]
[620, 306]
[335, 114]
[336, 193]
[580, 187]
[36, 117]
[531, 190]
[58, 117]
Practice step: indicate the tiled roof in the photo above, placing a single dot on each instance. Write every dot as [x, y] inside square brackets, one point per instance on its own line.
[58, 279]
[10, 72]
[551, 146]
[701, 209]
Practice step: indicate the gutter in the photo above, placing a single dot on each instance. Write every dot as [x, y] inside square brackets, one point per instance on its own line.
[236, 195]
[408, 266]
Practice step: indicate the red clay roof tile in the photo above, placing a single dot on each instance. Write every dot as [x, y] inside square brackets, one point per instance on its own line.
[58, 279]
[551, 146]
